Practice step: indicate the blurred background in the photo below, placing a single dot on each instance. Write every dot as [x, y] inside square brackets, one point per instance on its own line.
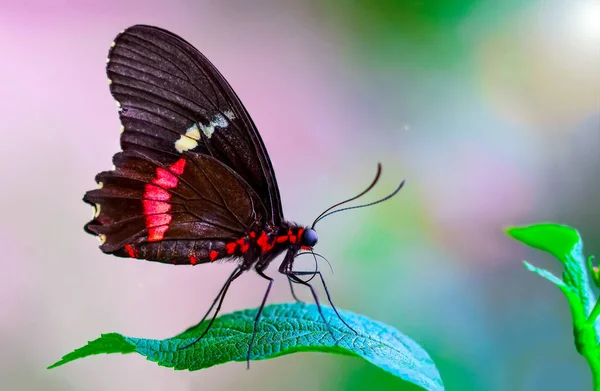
[489, 109]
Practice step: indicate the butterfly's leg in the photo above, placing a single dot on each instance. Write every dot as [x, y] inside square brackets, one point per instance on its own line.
[314, 293]
[293, 292]
[303, 273]
[238, 272]
[216, 299]
[262, 305]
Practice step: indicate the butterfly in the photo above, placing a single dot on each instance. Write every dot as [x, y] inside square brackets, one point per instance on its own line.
[193, 182]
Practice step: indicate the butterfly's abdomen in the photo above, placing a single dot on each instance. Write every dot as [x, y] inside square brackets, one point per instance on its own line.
[267, 243]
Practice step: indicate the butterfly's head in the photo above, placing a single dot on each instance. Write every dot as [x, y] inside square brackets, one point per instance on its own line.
[309, 238]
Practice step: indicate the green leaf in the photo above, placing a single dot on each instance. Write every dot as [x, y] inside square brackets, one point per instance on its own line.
[558, 240]
[546, 274]
[283, 329]
[569, 293]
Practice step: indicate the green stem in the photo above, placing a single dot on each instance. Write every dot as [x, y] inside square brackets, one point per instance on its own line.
[585, 328]
[594, 314]
[586, 341]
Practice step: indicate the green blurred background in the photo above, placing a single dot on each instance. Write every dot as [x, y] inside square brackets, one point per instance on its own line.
[489, 109]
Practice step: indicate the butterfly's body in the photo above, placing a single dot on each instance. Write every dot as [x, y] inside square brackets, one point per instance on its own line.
[255, 249]
[193, 182]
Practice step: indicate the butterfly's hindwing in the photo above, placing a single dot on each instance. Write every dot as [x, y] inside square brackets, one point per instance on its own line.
[176, 210]
[173, 101]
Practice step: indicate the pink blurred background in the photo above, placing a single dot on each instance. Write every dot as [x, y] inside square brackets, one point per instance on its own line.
[491, 113]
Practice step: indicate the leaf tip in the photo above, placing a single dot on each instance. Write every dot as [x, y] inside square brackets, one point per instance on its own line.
[529, 266]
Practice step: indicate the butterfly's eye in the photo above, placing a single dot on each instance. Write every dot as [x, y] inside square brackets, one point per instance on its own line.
[309, 237]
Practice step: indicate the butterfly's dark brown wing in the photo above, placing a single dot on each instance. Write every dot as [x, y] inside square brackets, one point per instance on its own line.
[175, 211]
[173, 100]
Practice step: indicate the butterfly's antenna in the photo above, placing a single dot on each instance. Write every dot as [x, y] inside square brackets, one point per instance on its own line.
[369, 204]
[350, 199]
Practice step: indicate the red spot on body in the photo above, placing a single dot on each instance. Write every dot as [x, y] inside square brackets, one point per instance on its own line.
[306, 247]
[244, 246]
[282, 239]
[230, 247]
[130, 251]
[292, 239]
[300, 232]
[193, 260]
[213, 255]
[156, 197]
[252, 235]
[263, 242]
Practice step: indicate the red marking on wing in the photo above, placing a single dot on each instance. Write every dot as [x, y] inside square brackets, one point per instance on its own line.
[193, 260]
[159, 220]
[154, 192]
[157, 234]
[178, 166]
[156, 207]
[155, 203]
[164, 178]
[213, 255]
[230, 247]
[130, 251]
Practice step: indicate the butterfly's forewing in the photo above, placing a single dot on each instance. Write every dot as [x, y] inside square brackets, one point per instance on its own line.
[173, 101]
[176, 210]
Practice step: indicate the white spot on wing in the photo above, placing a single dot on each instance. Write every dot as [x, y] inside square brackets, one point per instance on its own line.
[229, 114]
[219, 121]
[122, 128]
[112, 45]
[100, 185]
[189, 140]
[96, 210]
[102, 238]
[109, 82]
